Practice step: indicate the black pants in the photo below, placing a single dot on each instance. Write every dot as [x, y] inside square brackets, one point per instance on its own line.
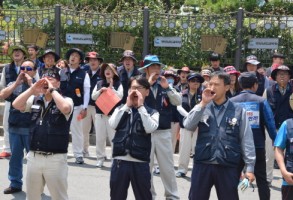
[260, 173]
[287, 192]
[124, 172]
[205, 176]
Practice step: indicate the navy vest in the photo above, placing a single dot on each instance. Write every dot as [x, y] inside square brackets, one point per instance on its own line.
[94, 79]
[162, 104]
[280, 104]
[10, 73]
[70, 82]
[50, 129]
[123, 76]
[289, 146]
[257, 103]
[261, 84]
[103, 83]
[188, 104]
[130, 137]
[219, 144]
[16, 118]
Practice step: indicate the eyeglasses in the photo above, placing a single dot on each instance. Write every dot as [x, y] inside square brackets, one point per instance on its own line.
[137, 87]
[27, 68]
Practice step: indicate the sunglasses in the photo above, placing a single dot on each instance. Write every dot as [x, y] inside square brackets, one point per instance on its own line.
[27, 68]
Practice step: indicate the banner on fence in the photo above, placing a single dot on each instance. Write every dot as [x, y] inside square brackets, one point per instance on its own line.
[30, 36]
[167, 41]
[42, 40]
[263, 43]
[74, 38]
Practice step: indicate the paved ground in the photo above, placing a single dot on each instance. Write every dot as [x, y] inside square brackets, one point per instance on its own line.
[86, 182]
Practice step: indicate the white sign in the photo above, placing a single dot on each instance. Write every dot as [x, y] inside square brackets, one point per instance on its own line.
[263, 43]
[72, 38]
[2, 35]
[167, 42]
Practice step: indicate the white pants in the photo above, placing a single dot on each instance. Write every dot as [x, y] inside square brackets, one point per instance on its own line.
[174, 131]
[186, 146]
[86, 125]
[51, 170]
[6, 146]
[270, 157]
[162, 149]
[103, 131]
[76, 133]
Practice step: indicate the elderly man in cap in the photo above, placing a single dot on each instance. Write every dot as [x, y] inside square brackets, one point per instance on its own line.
[50, 122]
[190, 97]
[161, 97]
[278, 96]
[75, 83]
[260, 116]
[49, 58]
[33, 51]
[9, 74]
[127, 70]
[215, 62]
[94, 61]
[182, 73]
[278, 59]
[251, 65]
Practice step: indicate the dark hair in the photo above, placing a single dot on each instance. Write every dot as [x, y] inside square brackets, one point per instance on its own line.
[35, 47]
[30, 60]
[222, 75]
[247, 83]
[141, 81]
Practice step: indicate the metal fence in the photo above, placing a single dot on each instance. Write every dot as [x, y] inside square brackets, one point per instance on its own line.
[237, 27]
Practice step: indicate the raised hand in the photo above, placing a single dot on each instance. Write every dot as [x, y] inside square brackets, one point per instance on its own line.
[153, 78]
[129, 100]
[164, 83]
[207, 96]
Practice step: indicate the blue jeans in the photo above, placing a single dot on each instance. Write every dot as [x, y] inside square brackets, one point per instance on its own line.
[18, 143]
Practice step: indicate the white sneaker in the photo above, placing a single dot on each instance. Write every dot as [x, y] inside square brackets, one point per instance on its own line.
[156, 170]
[100, 163]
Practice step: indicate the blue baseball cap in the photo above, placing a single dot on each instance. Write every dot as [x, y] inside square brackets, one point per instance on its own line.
[150, 60]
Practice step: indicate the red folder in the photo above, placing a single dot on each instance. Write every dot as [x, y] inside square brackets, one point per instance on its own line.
[107, 101]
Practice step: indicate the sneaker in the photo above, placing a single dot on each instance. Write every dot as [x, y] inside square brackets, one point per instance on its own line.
[100, 164]
[5, 154]
[156, 170]
[11, 190]
[86, 154]
[180, 174]
[79, 160]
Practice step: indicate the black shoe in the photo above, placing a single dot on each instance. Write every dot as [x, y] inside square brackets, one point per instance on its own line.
[11, 190]
[180, 175]
[276, 166]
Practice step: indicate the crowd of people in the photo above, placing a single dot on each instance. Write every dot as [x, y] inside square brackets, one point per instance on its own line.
[236, 126]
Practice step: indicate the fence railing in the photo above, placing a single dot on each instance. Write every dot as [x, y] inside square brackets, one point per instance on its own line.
[237, 27]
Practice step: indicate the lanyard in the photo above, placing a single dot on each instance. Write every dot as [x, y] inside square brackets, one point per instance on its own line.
[43, 114]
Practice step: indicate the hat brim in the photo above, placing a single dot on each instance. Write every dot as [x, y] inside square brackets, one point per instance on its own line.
[99, 58]
[12, 48]
[56, 56]
[274, 73]
[133, 58]
[253, 62]
[200, 78]
[70, 51]
[146, 66]
[234, 72]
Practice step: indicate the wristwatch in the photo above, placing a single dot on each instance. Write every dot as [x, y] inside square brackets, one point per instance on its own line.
[53, 89]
